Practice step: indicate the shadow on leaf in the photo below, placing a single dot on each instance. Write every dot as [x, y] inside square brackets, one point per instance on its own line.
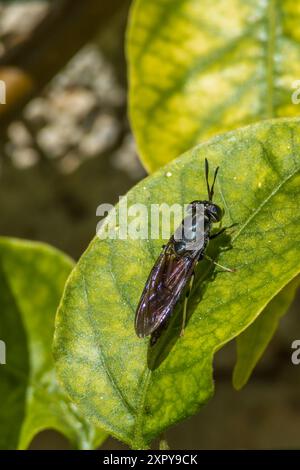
[168, 333]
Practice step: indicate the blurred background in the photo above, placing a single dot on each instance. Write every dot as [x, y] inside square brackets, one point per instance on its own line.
[65, 148]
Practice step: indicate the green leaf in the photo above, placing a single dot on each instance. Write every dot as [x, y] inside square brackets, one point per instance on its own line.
[136, 392]
[198, 68]
[252, 343]
[32, 278]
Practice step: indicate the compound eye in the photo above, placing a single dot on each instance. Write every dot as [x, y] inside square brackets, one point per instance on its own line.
[216, 212]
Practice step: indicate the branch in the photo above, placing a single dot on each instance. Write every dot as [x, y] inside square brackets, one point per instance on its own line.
[28, 67]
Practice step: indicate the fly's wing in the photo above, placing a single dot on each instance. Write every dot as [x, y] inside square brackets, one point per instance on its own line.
[166, 281]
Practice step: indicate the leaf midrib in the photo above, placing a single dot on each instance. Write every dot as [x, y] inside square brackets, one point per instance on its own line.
[264, 202]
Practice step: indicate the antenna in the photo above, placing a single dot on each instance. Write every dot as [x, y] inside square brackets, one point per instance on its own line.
[213, 185]
[206, 177]
[210, 191]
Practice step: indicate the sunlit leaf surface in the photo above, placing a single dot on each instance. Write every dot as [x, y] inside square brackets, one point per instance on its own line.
[198, 68]
[134, 391]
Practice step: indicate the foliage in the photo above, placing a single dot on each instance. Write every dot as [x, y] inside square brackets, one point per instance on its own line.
[130, 389]
[32, 278]
[198, 68]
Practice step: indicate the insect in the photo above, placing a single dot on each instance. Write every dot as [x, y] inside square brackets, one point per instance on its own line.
[174, 271]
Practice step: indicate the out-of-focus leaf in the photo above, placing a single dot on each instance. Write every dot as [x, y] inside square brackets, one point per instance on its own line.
[198, 68]
[32, 279]
[129, 389]
[252, 343]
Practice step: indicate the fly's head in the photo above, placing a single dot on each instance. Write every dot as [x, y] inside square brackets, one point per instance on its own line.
[212, 211]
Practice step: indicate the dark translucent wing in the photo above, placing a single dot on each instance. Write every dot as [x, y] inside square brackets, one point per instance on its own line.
[166, 281]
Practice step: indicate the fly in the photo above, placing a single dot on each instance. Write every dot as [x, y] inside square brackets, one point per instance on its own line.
[174, 270]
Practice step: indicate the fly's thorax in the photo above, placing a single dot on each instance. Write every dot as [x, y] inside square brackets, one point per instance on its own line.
[192, 227]
[189, 248]
[193, 232]
[190, 235]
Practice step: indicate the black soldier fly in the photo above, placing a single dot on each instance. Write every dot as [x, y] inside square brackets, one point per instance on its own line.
[174, 271]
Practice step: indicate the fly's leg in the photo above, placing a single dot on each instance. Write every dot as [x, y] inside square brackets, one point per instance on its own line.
[229, 270]
[185, 304]
[215, 235]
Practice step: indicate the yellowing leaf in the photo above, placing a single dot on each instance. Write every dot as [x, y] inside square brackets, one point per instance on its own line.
[198, 68]
[136, 392]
